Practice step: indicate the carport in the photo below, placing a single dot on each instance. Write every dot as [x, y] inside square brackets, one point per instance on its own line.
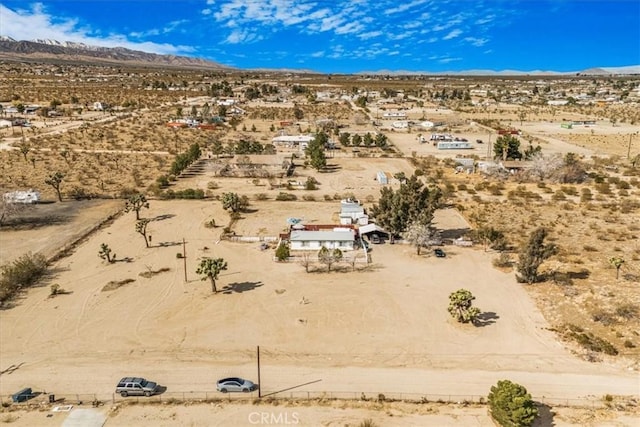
[372, 228]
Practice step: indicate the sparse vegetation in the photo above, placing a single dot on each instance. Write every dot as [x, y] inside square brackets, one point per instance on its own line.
[115, 284]
[588, 217]
[20, 274]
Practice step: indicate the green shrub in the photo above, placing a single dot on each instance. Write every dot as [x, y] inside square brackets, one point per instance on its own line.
[511, 406]
[503, 261]
[623, 185]
[586, 195]
[627, 311]
[558, 196]
[604, 317]
[188, 193]
[569, 190]
[311, 184]
[163, 181]
[21, 273]
[286, 197]
[282, 252]
[590, 341]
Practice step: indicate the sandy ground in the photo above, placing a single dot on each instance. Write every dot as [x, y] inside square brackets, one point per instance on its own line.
[70, 220]
[381, 329]
[337, 413]
[346, 339]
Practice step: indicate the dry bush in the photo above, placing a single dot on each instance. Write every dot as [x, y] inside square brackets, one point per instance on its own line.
[115, 284]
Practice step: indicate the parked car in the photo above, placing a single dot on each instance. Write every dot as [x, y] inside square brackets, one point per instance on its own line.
[226, 385]
[135, 386]
[439, 253]
[375, 239]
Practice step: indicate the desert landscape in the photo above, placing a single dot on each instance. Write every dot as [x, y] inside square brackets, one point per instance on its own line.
[370, 339]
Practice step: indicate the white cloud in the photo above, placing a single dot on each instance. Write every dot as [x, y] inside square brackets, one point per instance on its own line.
[403, 7]
[36, 23]
[485, 20]
[242, 36]
[400, 36]
[412, 24]
[478, 42]
[351, 27]
[318, 54]
[452, 34]
[369, 35]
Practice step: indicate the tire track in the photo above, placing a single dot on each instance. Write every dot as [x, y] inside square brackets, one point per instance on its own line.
[162, 296]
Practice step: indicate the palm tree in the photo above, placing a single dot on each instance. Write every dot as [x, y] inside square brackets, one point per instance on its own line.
[210, 268]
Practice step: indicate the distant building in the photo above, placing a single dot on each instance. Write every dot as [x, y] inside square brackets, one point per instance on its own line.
[382, 178]
[292, 140]
[26, 197]
[352, 212]
[454, 145]
[100, 106]
[394, 114]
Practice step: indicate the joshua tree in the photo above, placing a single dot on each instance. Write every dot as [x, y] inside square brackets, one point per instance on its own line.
[617, 263]
[141, 227]
[135, 203]
[231, 202]
[460, 306]
[24, 149]
[55, 180]
[210, 268]
[105, 253]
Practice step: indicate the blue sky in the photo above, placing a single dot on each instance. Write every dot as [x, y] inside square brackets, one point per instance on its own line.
[349, 36]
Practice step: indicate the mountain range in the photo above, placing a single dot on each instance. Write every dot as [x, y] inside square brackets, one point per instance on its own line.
[66, 51]
[72, 52]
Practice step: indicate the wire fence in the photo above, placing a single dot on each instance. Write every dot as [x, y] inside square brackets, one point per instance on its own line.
[61, 400]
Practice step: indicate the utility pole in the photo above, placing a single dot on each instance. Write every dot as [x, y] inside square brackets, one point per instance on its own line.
[184, 258]
[259, 382]
[629, 148]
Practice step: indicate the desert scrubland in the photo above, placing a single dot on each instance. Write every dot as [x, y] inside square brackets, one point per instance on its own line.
[362, 329]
